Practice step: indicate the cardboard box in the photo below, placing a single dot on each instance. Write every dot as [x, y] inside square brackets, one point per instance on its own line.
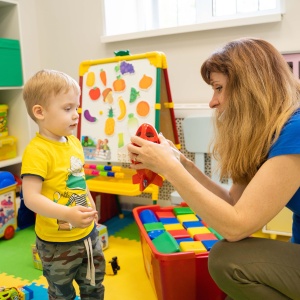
[36, 259]
[10, 63]
[177, 275]
[103, 236]
[8, 147]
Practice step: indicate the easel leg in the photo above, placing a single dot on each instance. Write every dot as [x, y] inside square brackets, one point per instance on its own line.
[121, 215]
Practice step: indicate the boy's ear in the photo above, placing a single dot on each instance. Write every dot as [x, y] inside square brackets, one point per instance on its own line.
[38, 112]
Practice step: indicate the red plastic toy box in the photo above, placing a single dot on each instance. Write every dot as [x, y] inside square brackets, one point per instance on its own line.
[175, 276]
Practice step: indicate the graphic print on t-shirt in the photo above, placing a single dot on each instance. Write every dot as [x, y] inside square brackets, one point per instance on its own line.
[75, 186]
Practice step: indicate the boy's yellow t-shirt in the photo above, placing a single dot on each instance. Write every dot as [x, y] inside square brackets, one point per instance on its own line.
[60, 165]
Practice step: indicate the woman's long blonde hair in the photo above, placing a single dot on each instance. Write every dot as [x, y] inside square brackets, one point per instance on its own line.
[261, 94]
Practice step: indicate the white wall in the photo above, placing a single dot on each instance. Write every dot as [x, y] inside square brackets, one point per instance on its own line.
[60, 34]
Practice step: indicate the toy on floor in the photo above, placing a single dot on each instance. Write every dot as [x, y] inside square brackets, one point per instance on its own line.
[37, 263]
[12, 293]
[103, 235]
[112, 267]
[9, 293]
[8, 220]
[145, 177]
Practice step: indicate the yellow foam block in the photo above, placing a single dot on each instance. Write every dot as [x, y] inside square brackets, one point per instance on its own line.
[187, 217]
[177, 226]
[196, 230]
[195, 246]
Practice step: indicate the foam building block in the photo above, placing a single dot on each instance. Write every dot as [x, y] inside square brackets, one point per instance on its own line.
[204, 237]
[208, 244]
[187, 217]
[166, 243]
[169, 220]
[196, 230]
[169, 227]
[154, 226]
[148, 216]
[194, 246]
[179, 234]
[188, 224]
[182, 211]
[164, 214]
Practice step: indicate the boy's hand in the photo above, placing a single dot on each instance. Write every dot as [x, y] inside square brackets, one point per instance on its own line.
[96, 218]
[81, 216]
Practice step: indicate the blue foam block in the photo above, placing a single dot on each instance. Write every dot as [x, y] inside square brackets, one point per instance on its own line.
[148, 216]
[189, 224]
[169, 220]
[209, 243]
[40, 292]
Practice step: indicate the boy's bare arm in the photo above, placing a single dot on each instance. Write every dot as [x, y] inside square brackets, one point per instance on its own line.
[78, 216]
[92, 204]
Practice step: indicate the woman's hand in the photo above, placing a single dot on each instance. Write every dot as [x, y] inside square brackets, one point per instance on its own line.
[155, 157]
[177, 153]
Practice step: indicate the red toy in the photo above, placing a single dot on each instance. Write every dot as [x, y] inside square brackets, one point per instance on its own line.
[144, 176]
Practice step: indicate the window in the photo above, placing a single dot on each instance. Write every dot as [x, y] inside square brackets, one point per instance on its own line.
[127, 19]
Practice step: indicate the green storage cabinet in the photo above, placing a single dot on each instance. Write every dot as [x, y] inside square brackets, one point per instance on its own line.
[10, 63]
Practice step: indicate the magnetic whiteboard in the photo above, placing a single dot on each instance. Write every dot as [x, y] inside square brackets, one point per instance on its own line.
[117, 97]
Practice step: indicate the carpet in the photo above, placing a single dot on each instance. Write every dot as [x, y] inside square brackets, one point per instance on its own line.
[130, 282]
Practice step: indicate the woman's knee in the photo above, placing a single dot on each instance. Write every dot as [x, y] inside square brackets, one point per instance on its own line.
[221, 264]
[226, 257]
[218, 257]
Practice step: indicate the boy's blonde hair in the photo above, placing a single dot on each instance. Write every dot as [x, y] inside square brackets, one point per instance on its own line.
[44, 84]
[261, 95]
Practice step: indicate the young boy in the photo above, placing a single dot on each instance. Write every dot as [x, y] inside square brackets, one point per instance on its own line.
[54, 187]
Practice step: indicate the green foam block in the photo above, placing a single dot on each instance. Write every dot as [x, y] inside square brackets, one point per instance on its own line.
[182, 211]
[166, 243]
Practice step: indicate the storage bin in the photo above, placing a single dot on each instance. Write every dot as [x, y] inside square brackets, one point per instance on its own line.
[10, 63]
[8, 147]
[177, 275]
[3, 120]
